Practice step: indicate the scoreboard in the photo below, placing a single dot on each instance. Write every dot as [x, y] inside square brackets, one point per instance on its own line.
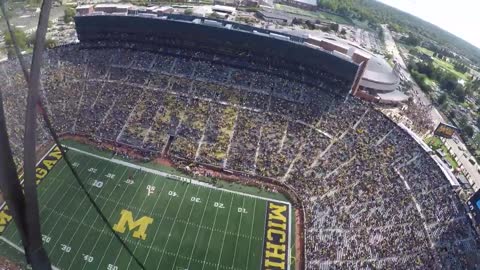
[474, 206]
[444, 130]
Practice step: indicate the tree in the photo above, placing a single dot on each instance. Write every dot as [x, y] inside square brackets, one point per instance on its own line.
[476, 139]
[21, 39]
[343, 32]
[50, 43]
[215, 15]
[468, 130]
[334, 27]
[452, 114]
[31, 39]
[442, 99]
[68, 15]
[460, 93]
[463, 122]
[411, 40]
[188, 11]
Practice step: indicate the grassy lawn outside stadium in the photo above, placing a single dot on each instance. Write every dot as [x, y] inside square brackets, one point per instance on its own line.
[169, 222]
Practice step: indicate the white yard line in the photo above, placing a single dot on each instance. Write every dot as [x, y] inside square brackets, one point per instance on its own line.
[174, 177]
[131, 200]
[264, 227]
[199, 228]
[110, 216]
[151, 212]
[56, 205]
[95, 220]
[67, 208]
[238, 233]
[20, 249]
[159, 224]
[213, 228]
[251, 232]
[186, 227]
[173, 225]
[43, 193]
[225, 232]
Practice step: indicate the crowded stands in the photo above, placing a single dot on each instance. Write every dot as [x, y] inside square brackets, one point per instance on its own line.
[373, 199]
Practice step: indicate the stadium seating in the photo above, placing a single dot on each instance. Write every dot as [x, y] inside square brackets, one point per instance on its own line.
[373, 198]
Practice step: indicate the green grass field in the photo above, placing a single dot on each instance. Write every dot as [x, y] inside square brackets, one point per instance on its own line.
[186, 224]
[435, 143]
[447, 66]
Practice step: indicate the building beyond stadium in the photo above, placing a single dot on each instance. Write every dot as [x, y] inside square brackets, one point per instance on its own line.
[378, 80]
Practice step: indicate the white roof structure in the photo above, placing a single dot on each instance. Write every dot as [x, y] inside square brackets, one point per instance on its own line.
[84, 6]
[308, 2]
[113, 6]
[393, 97]
[378, 70]
[225, 9]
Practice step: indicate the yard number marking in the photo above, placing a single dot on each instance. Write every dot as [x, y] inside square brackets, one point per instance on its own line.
[46, 238]
[242, 210]
[218, 205]
[87, 258]
[66, 248]
[172, 193]
[195, 200]
[97, 184]
[129, 181]
[150, 190]
[112, 267]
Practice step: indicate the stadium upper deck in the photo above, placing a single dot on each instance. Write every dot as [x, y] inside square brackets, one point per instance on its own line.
[250, 44]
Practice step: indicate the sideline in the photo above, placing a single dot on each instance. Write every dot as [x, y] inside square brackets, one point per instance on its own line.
[20, 249]
[198, 183]
[173, 177]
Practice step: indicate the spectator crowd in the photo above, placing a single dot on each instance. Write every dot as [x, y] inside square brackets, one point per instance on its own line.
[373, 198]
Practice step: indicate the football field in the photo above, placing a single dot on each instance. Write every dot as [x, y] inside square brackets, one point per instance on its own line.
[169, 221]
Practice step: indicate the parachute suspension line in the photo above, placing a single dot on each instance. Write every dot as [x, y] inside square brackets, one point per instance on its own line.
[38, 256]
[9, 183]
[35, 82]
[81, 184]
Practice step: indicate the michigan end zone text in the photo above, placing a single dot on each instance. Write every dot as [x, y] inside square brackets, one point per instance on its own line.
[276, 243]
[44, 166]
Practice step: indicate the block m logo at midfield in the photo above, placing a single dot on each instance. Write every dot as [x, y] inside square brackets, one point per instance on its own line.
[139, 226]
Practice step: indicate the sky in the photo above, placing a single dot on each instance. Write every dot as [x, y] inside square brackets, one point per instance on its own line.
[459, 17]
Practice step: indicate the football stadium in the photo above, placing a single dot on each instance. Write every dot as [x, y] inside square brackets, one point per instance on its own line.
[215, 145]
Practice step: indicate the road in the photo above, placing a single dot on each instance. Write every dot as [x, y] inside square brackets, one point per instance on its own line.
[419, 96]
[27, 21]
